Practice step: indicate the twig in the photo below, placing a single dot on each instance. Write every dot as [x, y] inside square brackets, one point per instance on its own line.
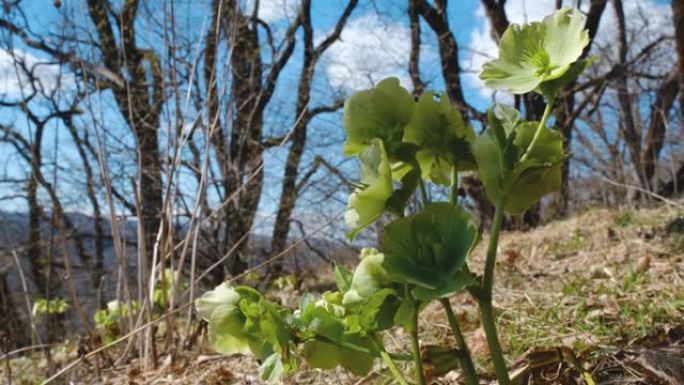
[642, 190]
[184, 306]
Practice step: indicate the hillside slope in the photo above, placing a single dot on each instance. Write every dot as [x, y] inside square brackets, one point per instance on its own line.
[599, 293]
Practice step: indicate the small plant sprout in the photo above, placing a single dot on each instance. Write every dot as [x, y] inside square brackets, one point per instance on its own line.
[402, 145]
[42, 307]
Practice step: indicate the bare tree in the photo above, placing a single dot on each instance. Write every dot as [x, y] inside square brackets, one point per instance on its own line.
[304, 113]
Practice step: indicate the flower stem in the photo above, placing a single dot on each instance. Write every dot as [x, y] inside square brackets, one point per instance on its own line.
[423, 193]
[465, 359]
[485, 300]
[415, 345]
[453, 191]
[393, 368]
[537, 134]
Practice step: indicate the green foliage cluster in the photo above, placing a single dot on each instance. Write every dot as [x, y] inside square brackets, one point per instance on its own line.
[42, 307]
[403, 144]
[108, 320]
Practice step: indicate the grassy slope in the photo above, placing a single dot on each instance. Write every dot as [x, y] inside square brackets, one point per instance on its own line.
[598, 283]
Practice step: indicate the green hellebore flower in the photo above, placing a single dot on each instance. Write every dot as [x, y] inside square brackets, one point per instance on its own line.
[438, 129]
[366, 204]
[535, 53]
[221, 309]
[380, 112]
[368, 278]
[429, 250]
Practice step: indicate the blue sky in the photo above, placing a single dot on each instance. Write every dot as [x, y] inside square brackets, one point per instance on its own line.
[374, 45]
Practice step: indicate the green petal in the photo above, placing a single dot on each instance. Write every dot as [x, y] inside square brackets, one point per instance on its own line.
[367, 204]
[565, 36]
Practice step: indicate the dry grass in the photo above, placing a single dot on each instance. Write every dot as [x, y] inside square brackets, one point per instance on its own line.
[600, 283]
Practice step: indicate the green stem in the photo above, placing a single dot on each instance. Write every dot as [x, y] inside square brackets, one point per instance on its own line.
[537, 134]
[489, 327]
[485, 300]
[415, 345]
[393, 368]
[465, 359]
[453, 192]
[423, 192]
[490, 262]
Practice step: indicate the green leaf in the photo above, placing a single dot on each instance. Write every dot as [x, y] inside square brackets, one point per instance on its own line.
[343, 278]
[377, 312]
[541, 172]
[437, 128]
[321, 318]
[492, 167]
[460, 281]
[404, 315]
[328, 339]
[429, 248]
[410, 180]
[537, 52]
[320, 355]
[524, 183]
[508, 116]
[324, 355]
[272, 370]
[381, 112]
[367, 204]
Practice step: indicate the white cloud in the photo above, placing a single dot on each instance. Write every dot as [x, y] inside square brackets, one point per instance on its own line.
[274, 10]
[369, 50]
[646, 19]
[14, 82]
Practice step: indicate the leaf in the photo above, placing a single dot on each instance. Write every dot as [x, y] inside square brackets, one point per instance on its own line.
[524, 183]
[325, 355]
[508, 116]
[437, 128]
[537, 52]
[329, 339]
[400, 197]
[377, 312]
[321, 318]
[460, 281]
[381, 112]
[493, 168]
[404, 315]
[343, 278]
[541, 173]
[271, 370]
[320, 355]
[429, 248]
[367, 204]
